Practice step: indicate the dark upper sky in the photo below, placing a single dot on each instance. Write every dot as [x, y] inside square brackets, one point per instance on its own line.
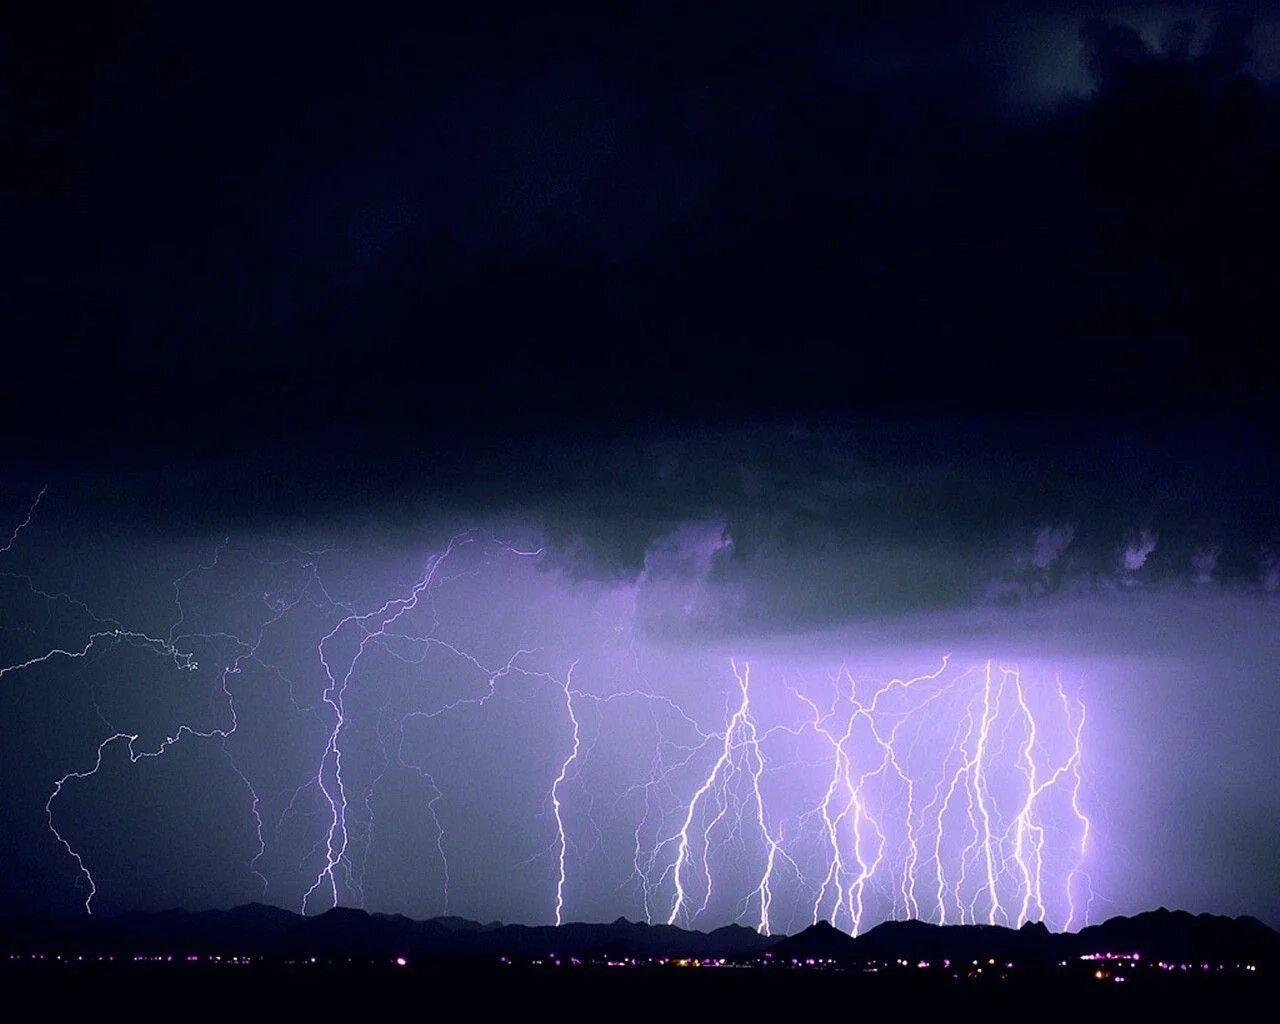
[796, 331]
[229, 224]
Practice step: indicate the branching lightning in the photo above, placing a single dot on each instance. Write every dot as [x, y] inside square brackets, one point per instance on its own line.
[953, 795]
[13, 536]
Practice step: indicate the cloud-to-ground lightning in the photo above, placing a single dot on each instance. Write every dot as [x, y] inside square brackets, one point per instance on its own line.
[561, 840]
[770, 796]
[946, 765]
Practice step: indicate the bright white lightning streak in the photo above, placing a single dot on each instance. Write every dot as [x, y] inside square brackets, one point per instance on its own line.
[998, 726]
[849, 823]
[740, 731]
[682, 838]
[988, 716]
[659, 779]
[555, 793]
[1085, 824]
[763, 891]
[889, 757]
[1024, 824]
[945, 805]
[839, 772]
[850, 896]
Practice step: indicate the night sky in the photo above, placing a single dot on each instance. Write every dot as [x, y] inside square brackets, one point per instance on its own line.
[625, 350]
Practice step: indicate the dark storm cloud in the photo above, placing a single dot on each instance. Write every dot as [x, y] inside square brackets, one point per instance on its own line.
[775, 527]
[810, 331]
[353, 279]
[824, 525]
[235, 228]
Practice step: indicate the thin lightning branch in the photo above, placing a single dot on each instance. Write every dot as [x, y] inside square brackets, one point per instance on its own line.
[952, 794]
[26, 522]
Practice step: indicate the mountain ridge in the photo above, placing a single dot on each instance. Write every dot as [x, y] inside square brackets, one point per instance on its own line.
[265, 930]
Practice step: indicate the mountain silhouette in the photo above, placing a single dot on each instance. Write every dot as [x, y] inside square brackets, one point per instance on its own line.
[920, 940]
[262, 930]
[1158, 934]
[1178, 935]
[256, 929]
[821, 940]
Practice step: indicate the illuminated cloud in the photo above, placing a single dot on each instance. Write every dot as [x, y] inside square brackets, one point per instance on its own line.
[1050, 543]
[1138, 549]
[678, 585]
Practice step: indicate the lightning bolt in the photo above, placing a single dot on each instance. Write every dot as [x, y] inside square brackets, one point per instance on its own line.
[370, 629]
[555, 793]
[25, 522]
[740, 756]
[963, 785]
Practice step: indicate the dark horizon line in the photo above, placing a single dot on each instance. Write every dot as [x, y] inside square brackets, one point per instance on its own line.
[619, 920]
